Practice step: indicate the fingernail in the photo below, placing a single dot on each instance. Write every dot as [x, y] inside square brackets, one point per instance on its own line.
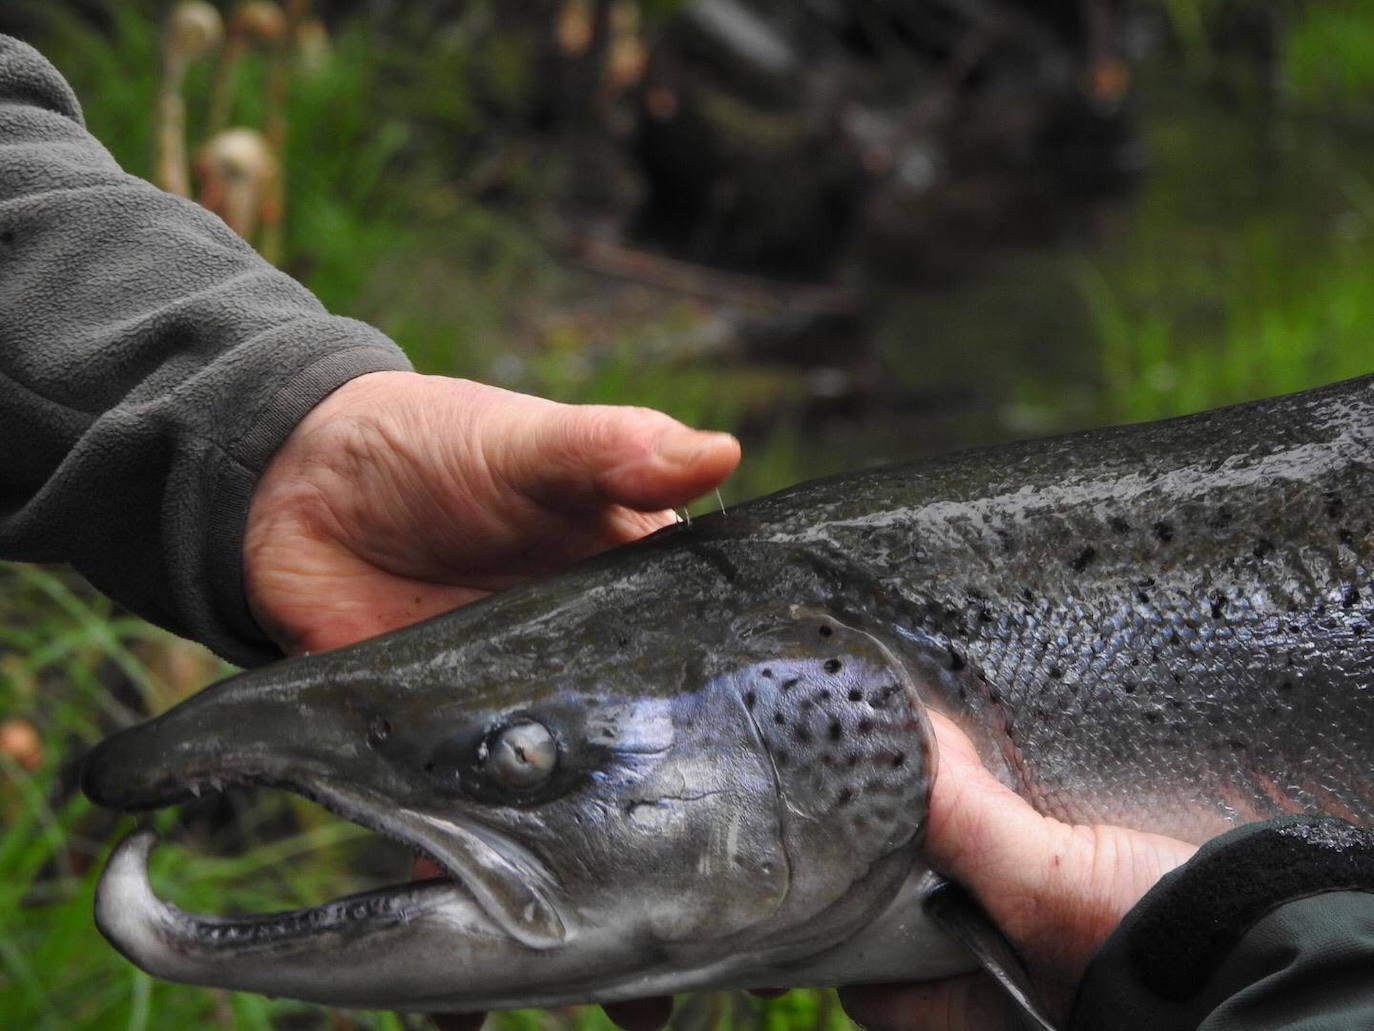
[686, 447]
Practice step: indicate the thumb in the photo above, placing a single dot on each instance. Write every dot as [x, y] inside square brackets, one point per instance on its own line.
[588, 456]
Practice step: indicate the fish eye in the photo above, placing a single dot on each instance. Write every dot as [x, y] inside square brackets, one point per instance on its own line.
[522, 755]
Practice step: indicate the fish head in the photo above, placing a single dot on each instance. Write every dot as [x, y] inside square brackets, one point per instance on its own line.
[636, 774]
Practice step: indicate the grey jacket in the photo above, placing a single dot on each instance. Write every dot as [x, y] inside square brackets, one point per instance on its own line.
[150, 365]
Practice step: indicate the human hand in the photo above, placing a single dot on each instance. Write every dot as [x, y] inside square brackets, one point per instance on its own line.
[1056, 890]
[402, 496]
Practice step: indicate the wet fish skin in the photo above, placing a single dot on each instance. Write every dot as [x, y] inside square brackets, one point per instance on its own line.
[1163, 626]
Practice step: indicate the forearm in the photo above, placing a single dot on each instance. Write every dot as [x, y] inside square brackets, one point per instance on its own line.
[1267, 928]
[150, 365]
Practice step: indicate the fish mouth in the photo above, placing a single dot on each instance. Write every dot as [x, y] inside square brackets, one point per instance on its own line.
[485, 869]
[492, 910]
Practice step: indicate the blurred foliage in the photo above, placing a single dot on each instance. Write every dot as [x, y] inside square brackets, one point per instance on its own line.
[417, 199]
[1328, 60]
[1250, 262]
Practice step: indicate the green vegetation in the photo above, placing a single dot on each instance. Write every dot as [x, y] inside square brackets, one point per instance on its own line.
[1328, 64]
[1244, 268]
[1248, 266]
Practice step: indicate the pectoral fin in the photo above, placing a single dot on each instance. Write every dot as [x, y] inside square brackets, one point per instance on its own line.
[954, 910]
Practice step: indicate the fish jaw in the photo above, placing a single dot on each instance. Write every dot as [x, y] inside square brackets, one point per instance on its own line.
[430, 947]
[421, 946]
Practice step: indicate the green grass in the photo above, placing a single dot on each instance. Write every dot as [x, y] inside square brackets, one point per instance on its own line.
[1328, 62]
[1246, 267]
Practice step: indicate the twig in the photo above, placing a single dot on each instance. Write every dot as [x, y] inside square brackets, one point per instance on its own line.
[638, 266]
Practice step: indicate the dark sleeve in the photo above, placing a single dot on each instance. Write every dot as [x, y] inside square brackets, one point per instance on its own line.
[1268, 927]
[150, 364]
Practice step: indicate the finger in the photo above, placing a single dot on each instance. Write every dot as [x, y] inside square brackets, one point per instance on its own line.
[640, 1014]
[968, 1003]
[1056, 890]
[576, 456]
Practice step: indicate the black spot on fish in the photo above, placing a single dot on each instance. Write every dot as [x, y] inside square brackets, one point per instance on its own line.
[880, 697]
[767, 674]
[1118, 525]
[1164, 533]
[801, 734]
[1335, 505]
[845, 796]
[1055, 672]
[1218, 604]
[1237, 744]
[1128, 686]
[865, 726]
[832, 665]
[1083, 559]
[825, 631]
[855, 694]
[378, 731]
[1263, 547]
[898, 760]
[984, 616]
[750, 699]
[835, 730]
[1349, 596]
[779, 718]
[787, 685]
[622, 641]
[1286, 685]
[956, 663]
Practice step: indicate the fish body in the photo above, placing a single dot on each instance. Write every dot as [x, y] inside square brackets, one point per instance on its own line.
[704, 759]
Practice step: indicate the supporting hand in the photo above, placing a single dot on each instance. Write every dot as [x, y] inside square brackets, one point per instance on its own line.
[401, 496]
[1056, 890]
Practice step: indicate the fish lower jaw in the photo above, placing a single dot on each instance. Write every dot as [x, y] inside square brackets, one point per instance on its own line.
[237, 951]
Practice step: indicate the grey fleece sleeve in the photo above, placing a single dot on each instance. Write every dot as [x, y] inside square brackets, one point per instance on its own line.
[150, 364]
